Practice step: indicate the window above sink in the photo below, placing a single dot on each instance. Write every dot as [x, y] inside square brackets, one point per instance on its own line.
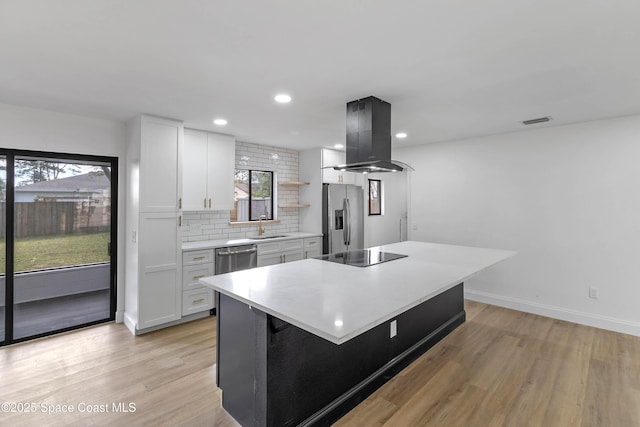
[254, 195]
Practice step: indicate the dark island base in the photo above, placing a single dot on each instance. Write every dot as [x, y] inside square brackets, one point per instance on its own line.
[275, 374]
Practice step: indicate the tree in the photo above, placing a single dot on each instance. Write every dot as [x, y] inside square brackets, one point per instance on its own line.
[3, 178]
[32, 171]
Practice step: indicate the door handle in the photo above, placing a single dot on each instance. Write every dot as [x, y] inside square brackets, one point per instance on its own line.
[345, 222]
[245, 251]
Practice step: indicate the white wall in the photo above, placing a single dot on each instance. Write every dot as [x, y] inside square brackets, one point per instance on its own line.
[40, 130]
[310, 219]
[566, 198]
[386, 228]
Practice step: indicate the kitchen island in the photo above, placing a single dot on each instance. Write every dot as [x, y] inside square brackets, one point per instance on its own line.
[303, 343]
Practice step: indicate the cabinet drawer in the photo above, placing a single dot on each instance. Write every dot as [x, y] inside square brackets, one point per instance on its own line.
[191, 274]
[312, 243]
[197, 257]
[197, 300]
[291, 245]
[294, 255]
[269, 248]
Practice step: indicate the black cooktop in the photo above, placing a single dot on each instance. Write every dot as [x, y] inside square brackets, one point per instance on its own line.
[361, 257]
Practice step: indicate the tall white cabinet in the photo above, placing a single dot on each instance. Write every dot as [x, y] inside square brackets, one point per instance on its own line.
[153, 288]
[208, 181]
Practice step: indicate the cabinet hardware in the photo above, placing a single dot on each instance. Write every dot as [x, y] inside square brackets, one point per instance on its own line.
[196, 301]
[198, 258]
[306, 255]
[180, 221]
[180, 203]
[205, 203]
[209, 203]
[199, 276]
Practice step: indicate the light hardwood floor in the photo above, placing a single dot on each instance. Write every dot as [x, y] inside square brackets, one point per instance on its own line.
[500, 368]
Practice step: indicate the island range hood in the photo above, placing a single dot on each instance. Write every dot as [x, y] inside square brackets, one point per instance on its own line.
[369, 137]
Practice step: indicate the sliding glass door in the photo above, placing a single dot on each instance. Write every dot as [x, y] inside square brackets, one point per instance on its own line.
[61, 268]
[3, 246]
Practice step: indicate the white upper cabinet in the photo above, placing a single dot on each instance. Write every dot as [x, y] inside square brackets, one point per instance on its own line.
[221, 162]
[209, 162]
[194, 177]
[160, 149]
[332, 176]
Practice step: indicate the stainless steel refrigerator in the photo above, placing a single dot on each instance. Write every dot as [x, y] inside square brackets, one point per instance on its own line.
[342, 218]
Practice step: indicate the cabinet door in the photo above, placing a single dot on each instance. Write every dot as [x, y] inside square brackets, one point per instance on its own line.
[332, 158]
[269, 259]
[221, 155]
[160, 161]
[194, 178]
[294, 255]
[312, 247]
[160, 285]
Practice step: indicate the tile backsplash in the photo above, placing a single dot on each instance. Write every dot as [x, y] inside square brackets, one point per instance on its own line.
[214, 225]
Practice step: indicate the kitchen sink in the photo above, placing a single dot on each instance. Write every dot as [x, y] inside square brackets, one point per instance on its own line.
[265, 237]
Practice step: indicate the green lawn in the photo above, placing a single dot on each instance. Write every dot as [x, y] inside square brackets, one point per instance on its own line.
[35, 253]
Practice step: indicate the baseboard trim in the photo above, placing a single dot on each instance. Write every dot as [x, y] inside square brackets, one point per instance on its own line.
[575, 316]
[130, 323]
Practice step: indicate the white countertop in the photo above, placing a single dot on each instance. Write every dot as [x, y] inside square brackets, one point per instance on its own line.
[338, 302]
[210, 244]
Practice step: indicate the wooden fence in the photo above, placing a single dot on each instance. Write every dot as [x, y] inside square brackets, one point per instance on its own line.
[48, 218]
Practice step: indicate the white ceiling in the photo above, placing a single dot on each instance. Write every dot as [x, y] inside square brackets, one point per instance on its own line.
[451, 69]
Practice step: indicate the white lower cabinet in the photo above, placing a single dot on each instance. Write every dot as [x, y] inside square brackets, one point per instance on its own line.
[196, 297]
[159, 270]
[312, 247]
[280, 252]
[197, 300]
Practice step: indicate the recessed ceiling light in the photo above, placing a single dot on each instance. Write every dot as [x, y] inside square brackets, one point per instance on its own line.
[338, 146]
[401, 135]
[220, 122]
[282, 98]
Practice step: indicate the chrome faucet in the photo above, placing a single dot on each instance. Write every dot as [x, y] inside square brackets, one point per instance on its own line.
[260, 227]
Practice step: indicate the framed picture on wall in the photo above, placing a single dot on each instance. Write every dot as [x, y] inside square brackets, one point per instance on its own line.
[375, 199]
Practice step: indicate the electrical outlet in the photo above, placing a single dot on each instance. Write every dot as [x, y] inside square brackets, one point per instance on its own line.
[594, 293]
[134, 236]
[393, 328]
[414, 226]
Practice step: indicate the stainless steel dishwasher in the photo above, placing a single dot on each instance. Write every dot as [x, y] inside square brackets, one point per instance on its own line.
[236, 258]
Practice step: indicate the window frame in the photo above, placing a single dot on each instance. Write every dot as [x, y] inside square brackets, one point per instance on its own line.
[250, 171]
[378, 197]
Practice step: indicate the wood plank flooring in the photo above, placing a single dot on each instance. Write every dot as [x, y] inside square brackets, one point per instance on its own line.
[500, 368]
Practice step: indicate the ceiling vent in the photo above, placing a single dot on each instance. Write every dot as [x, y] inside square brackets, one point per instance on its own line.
[534, 121]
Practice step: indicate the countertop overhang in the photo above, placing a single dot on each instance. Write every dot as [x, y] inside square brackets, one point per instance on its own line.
[338, 302]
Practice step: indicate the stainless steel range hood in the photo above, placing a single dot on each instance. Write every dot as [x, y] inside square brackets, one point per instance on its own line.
[369, 137]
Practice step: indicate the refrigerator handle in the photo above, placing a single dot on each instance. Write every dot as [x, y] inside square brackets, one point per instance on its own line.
[347, 222]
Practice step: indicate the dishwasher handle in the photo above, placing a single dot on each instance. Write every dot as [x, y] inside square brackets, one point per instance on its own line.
[244, 251]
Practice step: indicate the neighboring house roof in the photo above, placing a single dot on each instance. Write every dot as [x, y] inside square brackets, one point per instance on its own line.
[242, 186]
[92, 182]
[242, 190]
